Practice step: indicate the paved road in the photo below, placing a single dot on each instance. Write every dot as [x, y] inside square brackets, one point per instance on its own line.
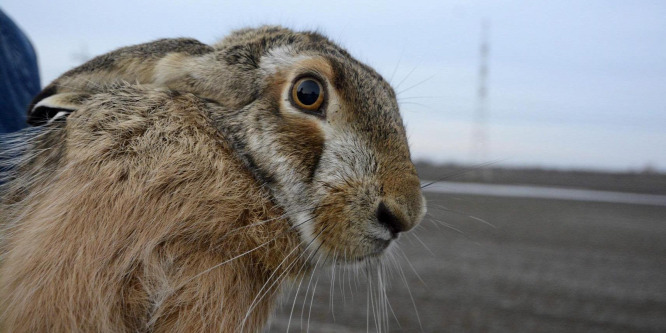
[526, 191]
[510, 264]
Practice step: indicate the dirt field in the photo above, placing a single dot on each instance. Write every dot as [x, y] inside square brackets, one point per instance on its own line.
[544, 266]
[636, 182]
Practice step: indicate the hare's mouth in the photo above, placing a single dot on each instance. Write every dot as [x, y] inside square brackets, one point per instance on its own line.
[379, 246]
[374, 248]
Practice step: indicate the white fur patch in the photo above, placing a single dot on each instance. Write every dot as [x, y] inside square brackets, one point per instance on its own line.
[280, 58]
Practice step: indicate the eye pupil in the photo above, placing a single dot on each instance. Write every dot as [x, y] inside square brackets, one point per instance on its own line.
[308, 92]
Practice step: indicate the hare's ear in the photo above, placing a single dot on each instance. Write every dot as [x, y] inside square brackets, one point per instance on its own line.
[54, 107]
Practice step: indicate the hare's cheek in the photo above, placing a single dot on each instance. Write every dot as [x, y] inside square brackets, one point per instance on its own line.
[332, 227]
[302, 141]
[344, 221]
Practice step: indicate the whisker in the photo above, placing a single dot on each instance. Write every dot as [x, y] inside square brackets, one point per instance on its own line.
[265, 221]
[296, 295]
[447, 225]
[482, 221]
[460, 173]
[409, 262]
[283, 275]
[417, 84]
[422, 243]
[476, 218]
[395, 70]
[419, 97]
[415, 103]
[409, 291]
[311, 301]
[405, 78]
[241, 255]
[307, 291]
[391, 258]
[332, 288]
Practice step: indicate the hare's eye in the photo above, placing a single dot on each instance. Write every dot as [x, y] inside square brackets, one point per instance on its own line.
[307, 94]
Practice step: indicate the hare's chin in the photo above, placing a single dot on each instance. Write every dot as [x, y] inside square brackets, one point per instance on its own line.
[377, 247]
[380, 245]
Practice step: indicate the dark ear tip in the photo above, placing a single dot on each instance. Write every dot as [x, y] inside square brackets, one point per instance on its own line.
[35, 117]
[42, 114]
[34, 122]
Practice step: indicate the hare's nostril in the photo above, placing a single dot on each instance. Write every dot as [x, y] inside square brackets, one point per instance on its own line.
[387, 218]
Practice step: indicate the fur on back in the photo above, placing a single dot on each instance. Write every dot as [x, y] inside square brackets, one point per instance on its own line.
[117, 217]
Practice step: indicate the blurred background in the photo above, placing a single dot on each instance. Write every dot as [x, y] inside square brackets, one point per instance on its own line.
[544, 122]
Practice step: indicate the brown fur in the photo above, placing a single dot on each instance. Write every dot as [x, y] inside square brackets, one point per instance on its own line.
[107, 259]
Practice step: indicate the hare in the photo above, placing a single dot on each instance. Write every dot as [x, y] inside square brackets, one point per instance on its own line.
[175, 187]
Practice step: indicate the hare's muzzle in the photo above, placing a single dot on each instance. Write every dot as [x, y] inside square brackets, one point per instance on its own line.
[402, 205]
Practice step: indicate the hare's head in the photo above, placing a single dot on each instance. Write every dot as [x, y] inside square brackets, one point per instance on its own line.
[322, 131]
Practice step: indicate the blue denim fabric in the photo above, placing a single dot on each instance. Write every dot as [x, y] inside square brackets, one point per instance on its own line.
[19, 76]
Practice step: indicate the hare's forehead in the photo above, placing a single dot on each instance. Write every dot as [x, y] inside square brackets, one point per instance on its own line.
[285, 60]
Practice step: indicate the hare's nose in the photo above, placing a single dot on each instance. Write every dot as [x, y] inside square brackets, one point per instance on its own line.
[390, 219]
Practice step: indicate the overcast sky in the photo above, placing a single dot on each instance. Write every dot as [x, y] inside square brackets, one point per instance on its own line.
[573, 84]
